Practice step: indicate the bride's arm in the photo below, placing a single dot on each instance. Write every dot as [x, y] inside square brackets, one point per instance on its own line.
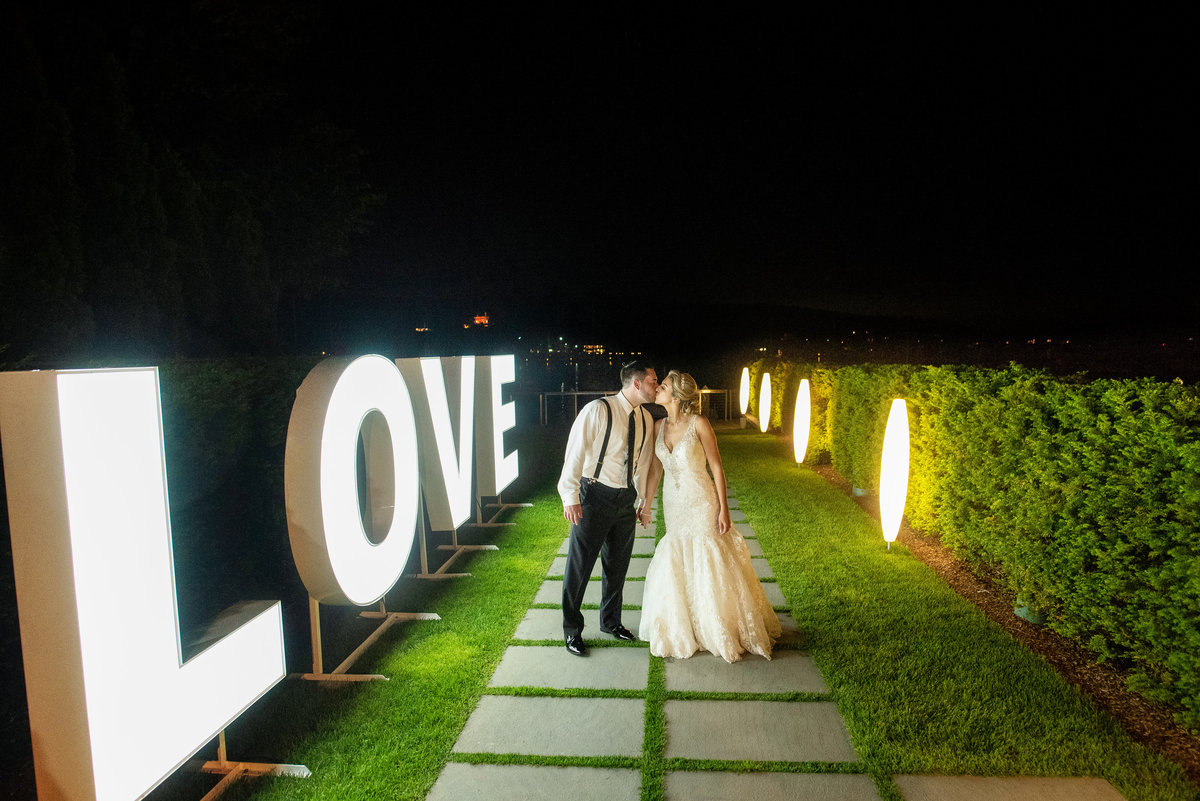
[653, 476]
[708, 438]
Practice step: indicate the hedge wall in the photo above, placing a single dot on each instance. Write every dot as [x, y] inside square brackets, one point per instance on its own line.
[1083, 495]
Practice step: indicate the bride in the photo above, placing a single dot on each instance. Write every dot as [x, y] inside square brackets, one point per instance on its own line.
[701, 590]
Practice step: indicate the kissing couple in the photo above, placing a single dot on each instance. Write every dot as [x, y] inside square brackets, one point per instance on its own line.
[701, 591]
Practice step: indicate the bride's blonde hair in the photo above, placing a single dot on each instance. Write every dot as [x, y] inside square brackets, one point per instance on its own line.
[683, 388]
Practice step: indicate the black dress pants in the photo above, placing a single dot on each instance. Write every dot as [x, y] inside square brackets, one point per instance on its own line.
[605, 530]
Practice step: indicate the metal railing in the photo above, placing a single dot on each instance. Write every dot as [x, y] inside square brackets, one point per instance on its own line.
[714, 404]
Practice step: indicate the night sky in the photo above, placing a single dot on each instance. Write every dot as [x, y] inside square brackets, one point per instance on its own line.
[992, 171]
[613, 174]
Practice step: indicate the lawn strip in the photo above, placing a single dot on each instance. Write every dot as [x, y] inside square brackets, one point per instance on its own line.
[654, 740]
[925, 683]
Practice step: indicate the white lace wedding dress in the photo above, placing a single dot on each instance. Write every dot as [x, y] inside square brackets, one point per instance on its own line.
[701, 591]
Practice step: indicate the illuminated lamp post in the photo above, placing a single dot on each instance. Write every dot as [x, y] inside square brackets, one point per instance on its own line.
[764, 404]
[893, 474]
[802, 421]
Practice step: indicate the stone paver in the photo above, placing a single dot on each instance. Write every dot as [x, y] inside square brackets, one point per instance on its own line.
[623, 668]
[637, 567]
[787, 672]
[737, 516]
[761, 568]
[718, 786]
[555, 726]
[1005, 788]
[785, 731]
[776, 731]
[551, 593]
[546, 624]
[774, 595]
[535, 783]
[791, 632]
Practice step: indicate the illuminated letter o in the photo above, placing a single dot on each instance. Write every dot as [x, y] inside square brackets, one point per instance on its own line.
[335, 555]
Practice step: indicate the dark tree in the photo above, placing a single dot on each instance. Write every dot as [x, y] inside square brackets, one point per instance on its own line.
[168, 189]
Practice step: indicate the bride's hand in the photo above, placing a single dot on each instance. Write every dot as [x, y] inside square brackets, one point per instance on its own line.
[723, 521]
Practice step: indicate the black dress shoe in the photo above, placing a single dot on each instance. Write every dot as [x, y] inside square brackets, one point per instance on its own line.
[621, 633]
[576, 645]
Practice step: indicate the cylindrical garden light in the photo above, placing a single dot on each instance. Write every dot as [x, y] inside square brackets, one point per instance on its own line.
[802, 421]
[744, 391]
[764, 404]
[893, 473]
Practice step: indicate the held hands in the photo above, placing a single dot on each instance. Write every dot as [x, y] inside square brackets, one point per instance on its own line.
[643, 516]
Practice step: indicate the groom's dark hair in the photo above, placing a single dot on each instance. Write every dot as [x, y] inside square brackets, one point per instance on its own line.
[634, 371]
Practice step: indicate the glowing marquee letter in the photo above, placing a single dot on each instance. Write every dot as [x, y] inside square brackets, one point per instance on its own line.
[494, 470]
[338, 560]
[113, 709]
[445, 469]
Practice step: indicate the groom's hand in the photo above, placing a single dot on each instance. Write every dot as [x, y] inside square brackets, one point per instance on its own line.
[573, 513]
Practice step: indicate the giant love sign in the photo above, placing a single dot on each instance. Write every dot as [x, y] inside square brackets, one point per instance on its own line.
[113, 707]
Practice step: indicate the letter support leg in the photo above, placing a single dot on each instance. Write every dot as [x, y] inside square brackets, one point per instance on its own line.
[501, 507]
[233, 771]
[388, 619]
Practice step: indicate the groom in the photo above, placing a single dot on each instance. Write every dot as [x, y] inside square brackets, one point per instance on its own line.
[601, 486]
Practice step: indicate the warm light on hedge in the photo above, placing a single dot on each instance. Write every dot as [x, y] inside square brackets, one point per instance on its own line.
[764, 404]
[893, 474]
[803, 419]
[744, 392]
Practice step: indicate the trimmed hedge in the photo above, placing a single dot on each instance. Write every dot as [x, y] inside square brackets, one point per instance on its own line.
[1083, 495]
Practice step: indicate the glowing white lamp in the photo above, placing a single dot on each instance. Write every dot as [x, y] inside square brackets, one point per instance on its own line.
[338, 560]
[893, 474]
[113, 707]
[764, 404]
[744, 391]
[802, 421]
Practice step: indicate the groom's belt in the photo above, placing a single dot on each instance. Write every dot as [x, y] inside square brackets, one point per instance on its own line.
[593, 492]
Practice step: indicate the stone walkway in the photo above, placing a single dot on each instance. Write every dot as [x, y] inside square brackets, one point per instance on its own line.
[584, 721]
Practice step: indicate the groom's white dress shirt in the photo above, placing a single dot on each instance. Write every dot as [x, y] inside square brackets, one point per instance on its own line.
[583, 448]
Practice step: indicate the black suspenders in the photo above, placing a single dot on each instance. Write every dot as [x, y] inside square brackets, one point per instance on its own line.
[604, 444]
[608, 433]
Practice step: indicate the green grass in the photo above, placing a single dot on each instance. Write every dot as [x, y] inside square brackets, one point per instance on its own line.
[923, 680]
